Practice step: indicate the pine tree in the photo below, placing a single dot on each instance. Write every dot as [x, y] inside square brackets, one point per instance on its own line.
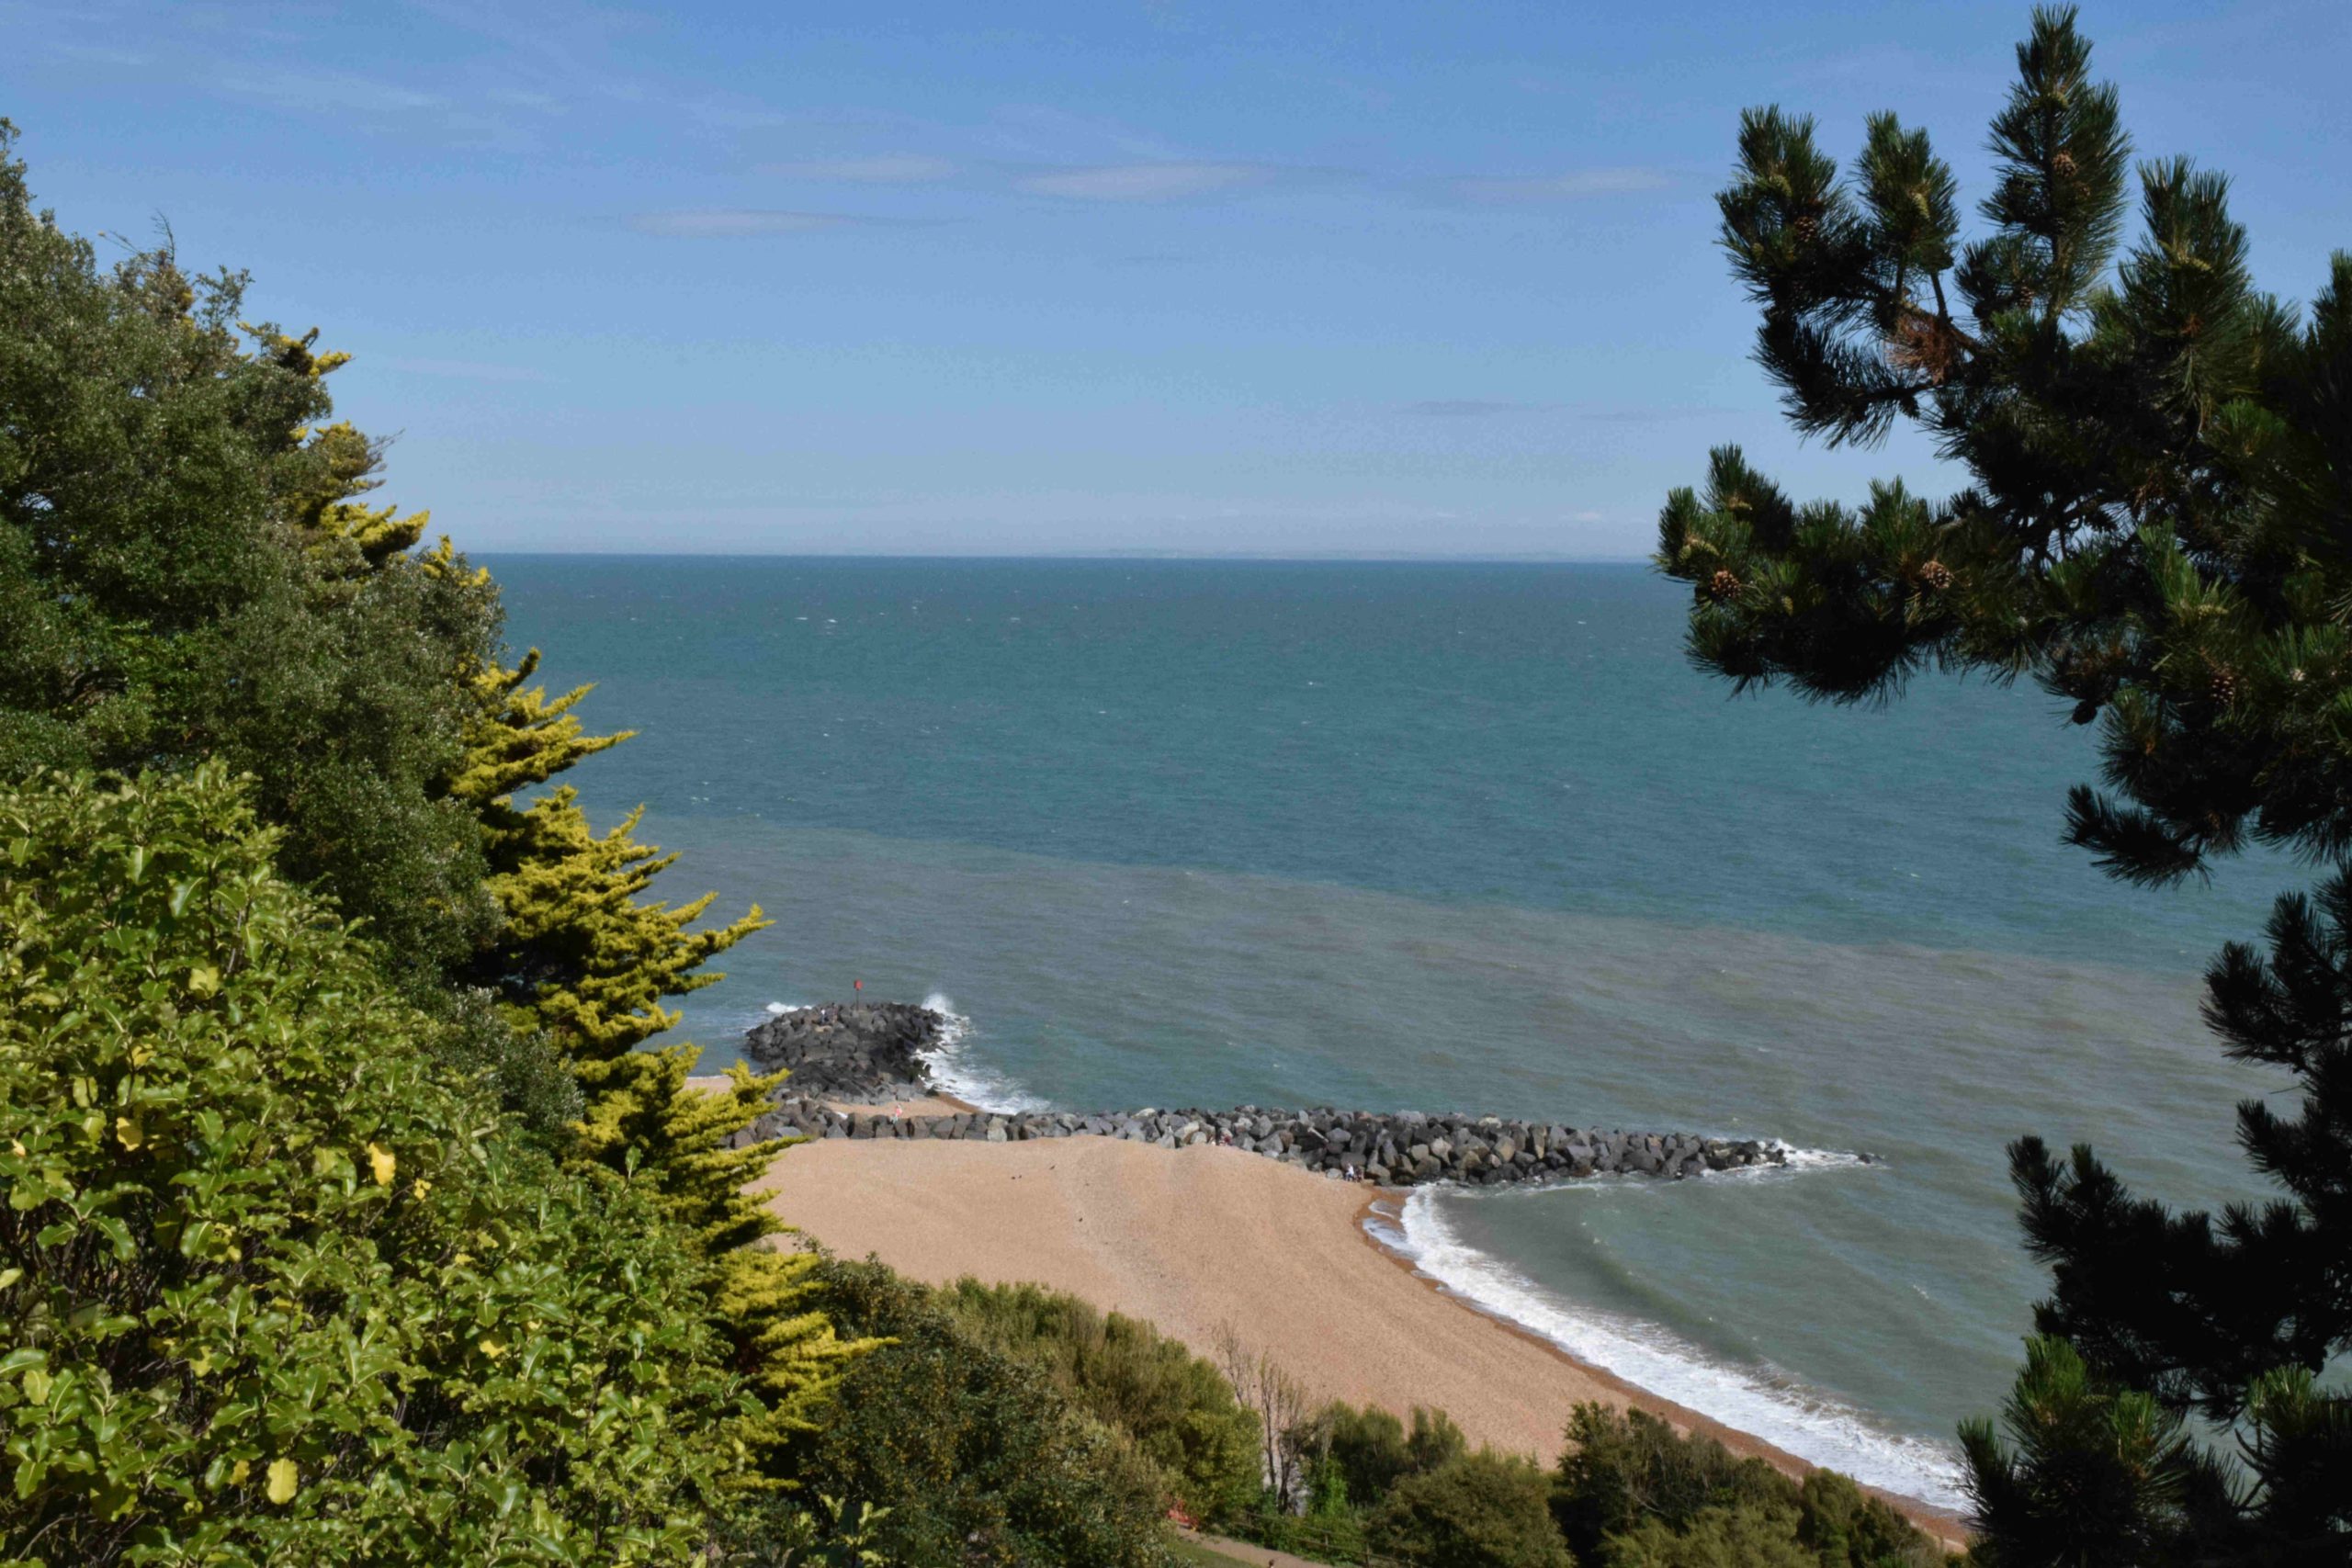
[2156, 532]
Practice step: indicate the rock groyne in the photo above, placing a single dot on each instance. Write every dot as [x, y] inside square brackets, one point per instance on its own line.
[871, 1054]
[1395, 1149]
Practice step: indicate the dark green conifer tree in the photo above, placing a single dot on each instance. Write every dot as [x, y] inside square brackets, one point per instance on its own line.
[2156, 531]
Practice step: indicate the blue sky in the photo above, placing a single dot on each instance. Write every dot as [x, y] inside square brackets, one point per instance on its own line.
[1294, 278]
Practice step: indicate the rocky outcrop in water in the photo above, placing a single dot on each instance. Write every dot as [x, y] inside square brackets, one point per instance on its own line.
[1395, 1149]
[867, 1053]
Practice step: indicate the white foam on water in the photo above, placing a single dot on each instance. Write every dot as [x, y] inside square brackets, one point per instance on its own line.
[956, 1073]
[1794, 1161]
[1759, 1401]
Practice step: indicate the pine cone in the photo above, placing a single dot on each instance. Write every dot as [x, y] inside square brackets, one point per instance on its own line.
[2223, 688]
[1935, 577]
[2086, 711]
[1722, 587]
[2062, 165]
[1924, 344]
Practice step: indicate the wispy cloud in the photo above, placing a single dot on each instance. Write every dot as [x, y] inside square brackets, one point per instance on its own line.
[317, 92]
[498, 99]
[1576, 185]
[1141, 182]
[98, 55]
[1616, 413]
[734, 222]
[1468, 408]
[467, 370]
[523, 98]
[886, 168]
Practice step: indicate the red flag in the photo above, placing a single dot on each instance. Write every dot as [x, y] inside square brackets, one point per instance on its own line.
[857, 985]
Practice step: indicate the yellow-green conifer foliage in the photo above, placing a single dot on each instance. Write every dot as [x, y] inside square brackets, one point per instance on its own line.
[329, 471]
[587, 957]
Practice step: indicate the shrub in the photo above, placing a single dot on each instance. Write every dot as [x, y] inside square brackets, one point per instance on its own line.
[275, 1285]
[1370, 1450]
[1848, 1529]
[1480, 1511]
[1753, 1535]
[977, 1455]
[1625, 1466]
[1176, 1406]
[1324, 1534]
[1627, 1483]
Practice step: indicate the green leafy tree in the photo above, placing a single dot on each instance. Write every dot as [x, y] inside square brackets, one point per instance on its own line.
[184, 573]
[1751, 1536]
[2156, 532]
[1479, 1510]
[275, 1285]
[1175, 1406]
[1846, 1529]
[979, 1455]
[1369, 1450]
[1626, 1480]
[1621, 1467]
[191, 567]
[187, 571]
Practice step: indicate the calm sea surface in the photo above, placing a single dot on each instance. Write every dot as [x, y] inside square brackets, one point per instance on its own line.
[1449, 837]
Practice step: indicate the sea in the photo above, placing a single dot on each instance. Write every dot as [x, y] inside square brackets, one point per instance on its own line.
[1451, 837]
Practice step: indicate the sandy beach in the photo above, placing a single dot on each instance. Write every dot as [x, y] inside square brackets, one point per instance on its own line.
[1196, 1239]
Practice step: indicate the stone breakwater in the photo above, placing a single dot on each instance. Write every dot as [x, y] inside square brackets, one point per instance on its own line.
[861, 1053]
[1400, 1149]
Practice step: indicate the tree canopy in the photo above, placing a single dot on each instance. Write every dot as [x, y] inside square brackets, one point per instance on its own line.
[194, 574]
[2154, 530]
[273, 1288]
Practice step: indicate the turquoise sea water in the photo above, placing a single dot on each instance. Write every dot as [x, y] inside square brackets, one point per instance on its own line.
[1450, 837]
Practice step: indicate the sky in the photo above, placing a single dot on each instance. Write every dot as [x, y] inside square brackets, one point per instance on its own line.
[1303, 278]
